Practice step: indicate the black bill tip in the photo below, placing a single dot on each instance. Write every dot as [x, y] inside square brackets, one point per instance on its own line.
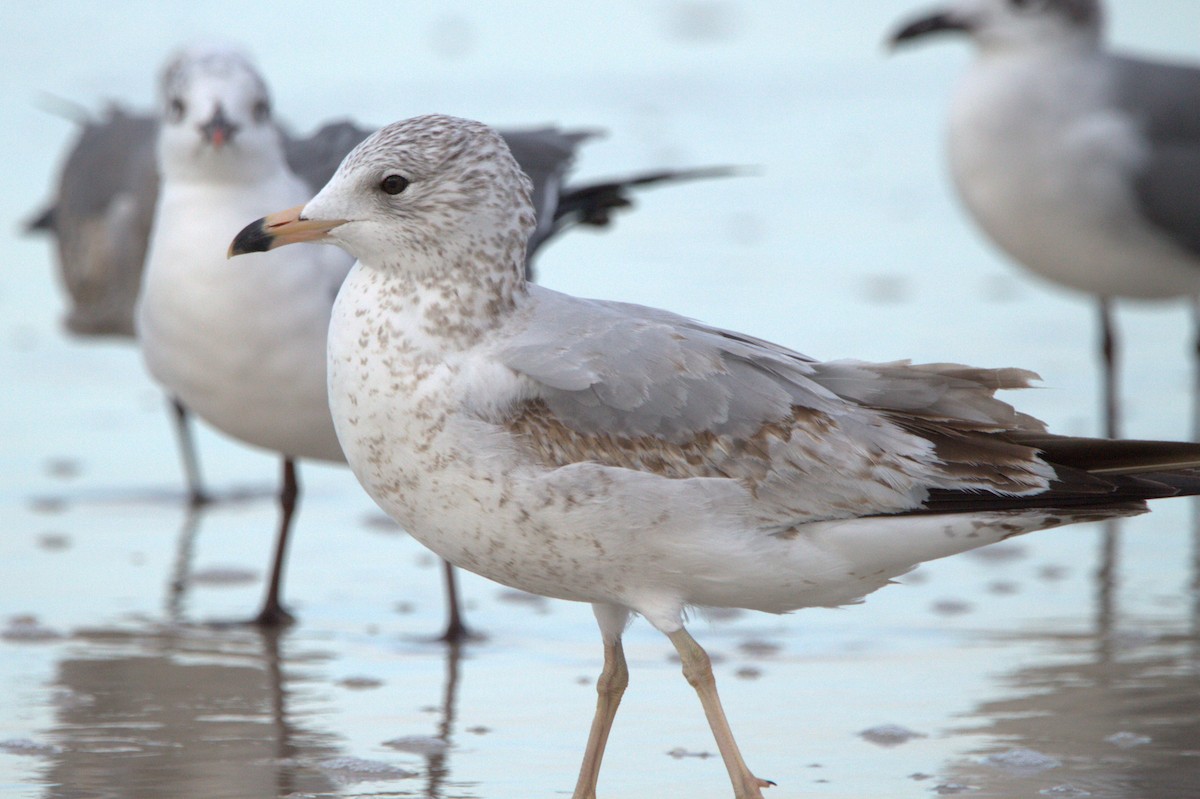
[254, 237]
[934, 23]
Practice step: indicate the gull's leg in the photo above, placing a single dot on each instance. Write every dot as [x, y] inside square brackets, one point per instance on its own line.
[614, 677]
[187, 452]
[456, 628]
[273, 614]
[1108, 349]
[697, 668]
[1196, 367]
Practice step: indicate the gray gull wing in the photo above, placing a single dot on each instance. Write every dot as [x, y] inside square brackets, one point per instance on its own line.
[1164, 99]
[101, 219]
[645, 389]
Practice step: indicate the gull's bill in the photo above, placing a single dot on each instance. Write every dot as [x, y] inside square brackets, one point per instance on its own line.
[278, 229]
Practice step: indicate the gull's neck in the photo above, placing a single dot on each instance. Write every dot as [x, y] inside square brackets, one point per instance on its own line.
[450, 301]
[232, 167]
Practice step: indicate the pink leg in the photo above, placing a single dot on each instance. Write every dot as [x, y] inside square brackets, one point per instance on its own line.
[609, 688]
[697, 668]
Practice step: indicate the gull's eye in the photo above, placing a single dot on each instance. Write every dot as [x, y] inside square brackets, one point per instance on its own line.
[261, 111]
[394, 184]
[175, 110]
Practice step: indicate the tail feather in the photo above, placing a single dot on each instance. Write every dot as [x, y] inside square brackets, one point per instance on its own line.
[1107, 456]
[44, 221]
[1104, 475]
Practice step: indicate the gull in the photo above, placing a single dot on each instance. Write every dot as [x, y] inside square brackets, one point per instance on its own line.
[640, 461]
[1080, 163]
[105, 197]
[240, 351]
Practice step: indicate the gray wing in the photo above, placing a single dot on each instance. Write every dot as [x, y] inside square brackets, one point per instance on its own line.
[101, 219]
[632, 370]
[1165, 101]
[644, 389]
[315, 158]
[636, 371]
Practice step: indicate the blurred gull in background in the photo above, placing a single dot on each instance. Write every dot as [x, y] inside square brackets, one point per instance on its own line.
[237, 347]
[640, 461]
[1081, 164]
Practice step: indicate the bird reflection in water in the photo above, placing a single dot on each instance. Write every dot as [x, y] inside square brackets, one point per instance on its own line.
[199, 710]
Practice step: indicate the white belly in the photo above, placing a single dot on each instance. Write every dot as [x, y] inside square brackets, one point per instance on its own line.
[240, 342]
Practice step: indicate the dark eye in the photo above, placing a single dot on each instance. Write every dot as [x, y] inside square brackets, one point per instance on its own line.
[261, 111]
[394, 184]
[175, 110]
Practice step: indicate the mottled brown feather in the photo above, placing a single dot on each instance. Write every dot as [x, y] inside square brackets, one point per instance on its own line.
[705, 455]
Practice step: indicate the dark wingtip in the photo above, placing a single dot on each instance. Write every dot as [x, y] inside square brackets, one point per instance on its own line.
[45, 222]
[254, 237]
[934, 23]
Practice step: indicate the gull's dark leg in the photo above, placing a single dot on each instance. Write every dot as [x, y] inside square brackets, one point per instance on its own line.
[1108, 350]
[273, 614]
[456, 628]
[614, 678]
[1196, 368]
[697, 668]
[187, 452]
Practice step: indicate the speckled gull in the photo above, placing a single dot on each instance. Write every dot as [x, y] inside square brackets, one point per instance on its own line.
[640, 461]
[1083, 165]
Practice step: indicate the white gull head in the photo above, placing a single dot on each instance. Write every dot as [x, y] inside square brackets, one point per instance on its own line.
[1007, 25]
[215, 119]
[428, 195]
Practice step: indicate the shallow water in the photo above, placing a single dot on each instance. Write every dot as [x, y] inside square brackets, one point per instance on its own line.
[1063, 663]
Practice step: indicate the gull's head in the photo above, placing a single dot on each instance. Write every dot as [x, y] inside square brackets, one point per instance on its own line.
[999, 25]
[215, 117]
[432, 192]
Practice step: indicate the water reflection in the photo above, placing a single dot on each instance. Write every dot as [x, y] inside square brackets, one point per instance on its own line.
[1195, 505]
[182, 567]
[1106, 585]
[437, 759]
[1121, 717]
[185, 709]
[185, 712]
[189, 711]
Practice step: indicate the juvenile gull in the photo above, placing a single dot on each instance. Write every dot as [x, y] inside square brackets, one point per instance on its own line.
[1082, 164]
[640, 461]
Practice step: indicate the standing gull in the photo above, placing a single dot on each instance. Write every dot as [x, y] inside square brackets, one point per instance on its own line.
[644, 462]
[1081, 164]
[240, 350]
